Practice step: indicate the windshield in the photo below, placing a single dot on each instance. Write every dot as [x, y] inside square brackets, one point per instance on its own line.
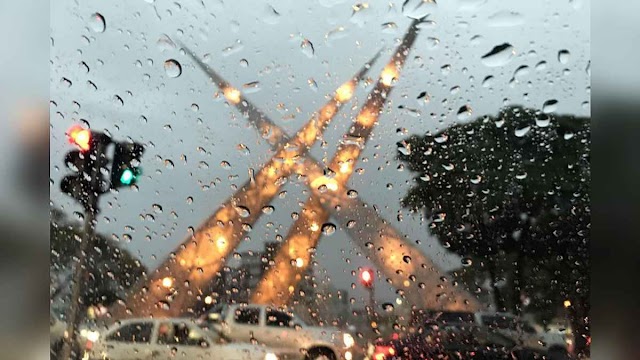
[384, 168]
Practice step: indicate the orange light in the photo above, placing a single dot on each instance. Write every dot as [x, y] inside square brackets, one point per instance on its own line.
[221, 243]
[345, 92]
[389, 75]
[80, 137]
[567, 303]
[167, 282]
[232, 95]
[366, 276]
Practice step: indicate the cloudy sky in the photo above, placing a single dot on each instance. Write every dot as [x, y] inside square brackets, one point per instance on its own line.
[112, 74]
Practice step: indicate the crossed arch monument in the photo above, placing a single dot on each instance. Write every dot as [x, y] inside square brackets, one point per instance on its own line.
[178, 284]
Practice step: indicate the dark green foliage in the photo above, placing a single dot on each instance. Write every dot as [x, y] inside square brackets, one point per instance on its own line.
[516, 201]
[111, 268]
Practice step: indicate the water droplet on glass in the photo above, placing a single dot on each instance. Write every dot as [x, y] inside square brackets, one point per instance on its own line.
[195, 107]
[521, 72]
[157, 208]
[498, 56]
[225, 165]
[388, 307]
[172, 68]
[488, 81]
[243, 149]
[335, 34]
[404, 148]
[464, 112]
[268, 209]
[83, 65]
[165, 43]
[271, 16]
[563, 56]
[389, 28]
[352, 194]
[328, 228]
[97, 23]
[417, 9]
[242, 211]
[168, 164]
[230, 50]
[506, 18]
[406, 259]
[466, 261]
[522, 131]
[244, 63]
[312, 84]
[307, 48]
[351, 224]
[117, 100]
[189, 200]
[550, 106]
[543, 120]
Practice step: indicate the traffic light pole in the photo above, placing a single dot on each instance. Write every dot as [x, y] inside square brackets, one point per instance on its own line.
[91, 209]
[371, 312]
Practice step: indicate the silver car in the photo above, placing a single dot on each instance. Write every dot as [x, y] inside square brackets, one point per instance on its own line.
[164, 339]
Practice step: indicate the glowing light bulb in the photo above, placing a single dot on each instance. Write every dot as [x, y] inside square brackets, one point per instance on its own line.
[167, 282]
[221, 243]
[389, 75]
[345, 92]
[232, 95]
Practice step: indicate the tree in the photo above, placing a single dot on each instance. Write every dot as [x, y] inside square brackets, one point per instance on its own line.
[111, 268]
[511, 194]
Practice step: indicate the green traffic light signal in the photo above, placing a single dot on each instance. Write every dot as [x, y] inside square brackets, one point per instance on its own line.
[127, 177]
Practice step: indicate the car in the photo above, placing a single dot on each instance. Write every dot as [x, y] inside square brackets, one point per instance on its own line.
[164, 339]
[57, 329]
[523, 332]
[283, 330]
[460, 343]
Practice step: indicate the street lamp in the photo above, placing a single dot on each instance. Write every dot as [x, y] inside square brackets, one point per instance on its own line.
[167, 282]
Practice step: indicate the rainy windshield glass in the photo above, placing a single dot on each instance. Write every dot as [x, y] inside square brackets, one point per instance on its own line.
[376, 168]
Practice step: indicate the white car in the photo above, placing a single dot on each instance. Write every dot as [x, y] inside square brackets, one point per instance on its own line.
[57, 329]
[282, 330]
[164, 339]
[526, 334]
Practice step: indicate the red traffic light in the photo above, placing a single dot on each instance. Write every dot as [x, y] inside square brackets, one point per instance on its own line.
[366, 276]
[80, 137]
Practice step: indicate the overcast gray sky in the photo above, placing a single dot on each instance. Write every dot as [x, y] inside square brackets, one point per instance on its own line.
[246, 42]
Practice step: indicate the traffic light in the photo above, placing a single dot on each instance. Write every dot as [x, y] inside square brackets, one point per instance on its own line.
[125, 169]
[366, 278]
[85, 164]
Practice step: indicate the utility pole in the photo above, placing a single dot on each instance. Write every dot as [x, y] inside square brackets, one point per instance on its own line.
[73, 314]
[85, 186]
[367, 280]
[94, 159]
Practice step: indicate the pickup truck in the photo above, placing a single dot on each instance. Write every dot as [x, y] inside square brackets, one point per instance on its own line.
[281, 330]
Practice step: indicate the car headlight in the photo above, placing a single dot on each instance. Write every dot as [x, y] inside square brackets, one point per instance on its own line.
[270, 356]
[90, 335]
[348, 340]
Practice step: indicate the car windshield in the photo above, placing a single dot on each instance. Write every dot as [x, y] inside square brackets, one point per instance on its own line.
[383, 168]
